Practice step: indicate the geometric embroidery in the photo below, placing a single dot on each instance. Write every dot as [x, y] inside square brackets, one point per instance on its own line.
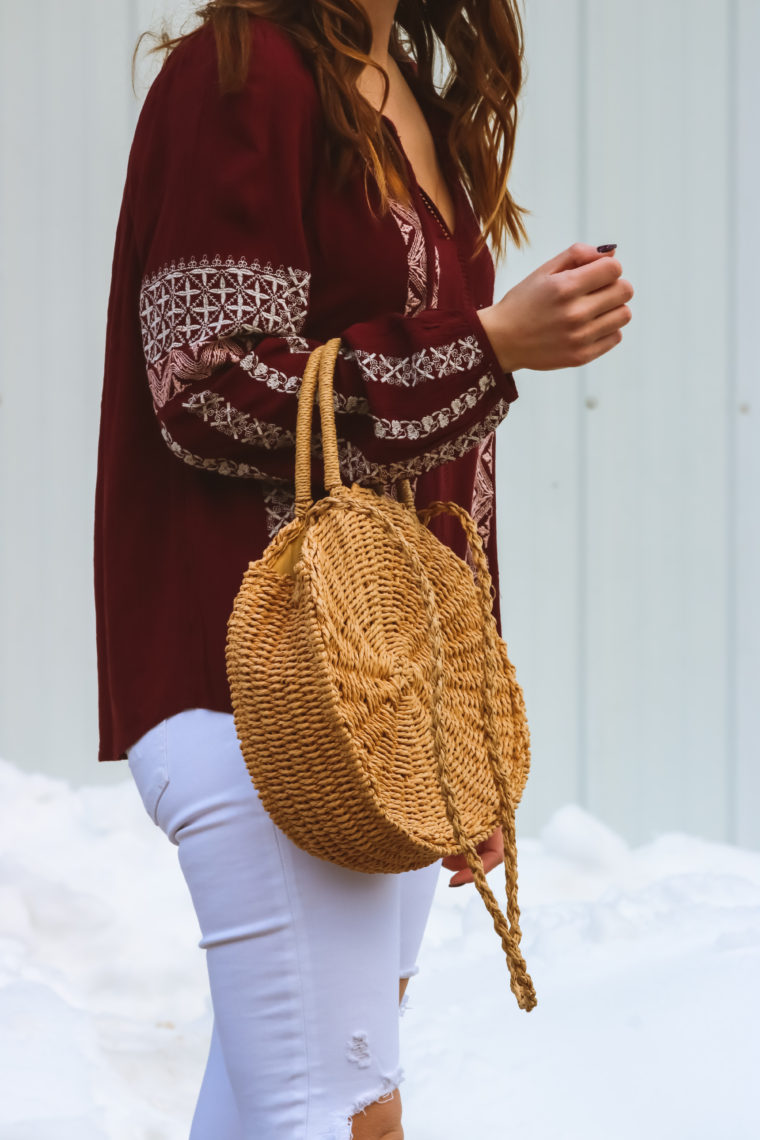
[200, 299]
[197, 315]
[415, 429]
[463, 354]
[221, 466]
[183, 366]
[272, 377]
[434, 296]
[355, 467]
[213, 409]
[425, 364]
[483, 494]
[408, 221]
[186, 304]
[291, 385]
[222, 416]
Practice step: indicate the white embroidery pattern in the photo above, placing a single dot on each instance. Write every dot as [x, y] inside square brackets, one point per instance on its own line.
[483, 493]
[280, 505]
[442, 360]
[408, 221]
[436, 281]
[272, 377]
[291, 385]
[186, 304]
[213, 409]
[221, 466]
[425, 364]
[355, 467]
[186, 366]
[415, 429]
[199, 315]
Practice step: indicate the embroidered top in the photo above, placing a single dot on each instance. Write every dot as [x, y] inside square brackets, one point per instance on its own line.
[234, 258]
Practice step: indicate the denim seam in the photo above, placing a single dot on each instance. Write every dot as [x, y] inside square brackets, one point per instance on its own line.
[164, 766]
[283, 864]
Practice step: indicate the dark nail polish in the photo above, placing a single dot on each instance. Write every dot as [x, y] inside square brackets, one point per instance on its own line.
[606, 248]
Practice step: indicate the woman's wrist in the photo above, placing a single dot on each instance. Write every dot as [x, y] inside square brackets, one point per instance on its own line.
[493, 326]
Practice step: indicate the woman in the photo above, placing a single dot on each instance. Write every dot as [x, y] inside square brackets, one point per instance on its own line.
[277, 195]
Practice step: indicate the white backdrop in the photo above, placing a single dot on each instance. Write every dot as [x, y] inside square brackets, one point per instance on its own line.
[628, 490]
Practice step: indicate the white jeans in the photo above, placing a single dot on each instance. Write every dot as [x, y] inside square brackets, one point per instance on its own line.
[303, 956]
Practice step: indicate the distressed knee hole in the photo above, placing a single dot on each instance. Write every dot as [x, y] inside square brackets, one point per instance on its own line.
[357, 1049]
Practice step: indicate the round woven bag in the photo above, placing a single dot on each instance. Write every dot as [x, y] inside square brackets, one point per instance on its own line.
[377, 711]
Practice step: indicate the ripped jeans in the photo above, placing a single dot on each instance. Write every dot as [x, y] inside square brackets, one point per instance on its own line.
[303, 956]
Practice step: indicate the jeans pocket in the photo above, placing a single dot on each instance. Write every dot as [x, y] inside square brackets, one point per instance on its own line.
[148, 763]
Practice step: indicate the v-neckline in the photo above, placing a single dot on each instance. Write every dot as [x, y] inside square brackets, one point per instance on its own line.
[451, 181]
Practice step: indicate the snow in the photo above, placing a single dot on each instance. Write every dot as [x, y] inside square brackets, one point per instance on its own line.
[646, 963]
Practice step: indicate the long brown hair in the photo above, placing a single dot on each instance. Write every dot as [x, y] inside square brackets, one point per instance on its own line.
[482, 43]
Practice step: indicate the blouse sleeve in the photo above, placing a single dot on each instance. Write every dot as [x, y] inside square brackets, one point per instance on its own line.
[225, 295]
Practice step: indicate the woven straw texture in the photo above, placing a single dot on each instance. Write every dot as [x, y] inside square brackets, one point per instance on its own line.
[377, 710]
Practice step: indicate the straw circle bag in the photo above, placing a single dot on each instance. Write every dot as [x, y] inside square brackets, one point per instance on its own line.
[377, 711]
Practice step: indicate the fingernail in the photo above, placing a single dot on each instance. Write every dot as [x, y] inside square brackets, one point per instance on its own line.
[606, 248]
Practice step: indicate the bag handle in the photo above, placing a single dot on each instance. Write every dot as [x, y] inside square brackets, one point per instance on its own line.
[320, 368]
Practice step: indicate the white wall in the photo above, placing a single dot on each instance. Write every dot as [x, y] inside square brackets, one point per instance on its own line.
[628, 520]
[628, 488]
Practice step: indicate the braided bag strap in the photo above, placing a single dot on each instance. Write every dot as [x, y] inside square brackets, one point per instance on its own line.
[516, 742]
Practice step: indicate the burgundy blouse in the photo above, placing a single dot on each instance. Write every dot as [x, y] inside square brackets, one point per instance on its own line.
[234, 258]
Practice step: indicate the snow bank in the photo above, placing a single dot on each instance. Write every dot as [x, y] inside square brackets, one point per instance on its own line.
[645, 963]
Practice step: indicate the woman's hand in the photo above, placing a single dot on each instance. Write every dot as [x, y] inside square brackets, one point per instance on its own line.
[566, 313]
[491, 851]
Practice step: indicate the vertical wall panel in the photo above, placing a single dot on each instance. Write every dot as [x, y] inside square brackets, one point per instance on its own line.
[64, 122]
[656, 462]
[745, 426]
[537, 446]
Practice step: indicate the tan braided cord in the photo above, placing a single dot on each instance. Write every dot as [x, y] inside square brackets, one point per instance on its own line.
[378, 713]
